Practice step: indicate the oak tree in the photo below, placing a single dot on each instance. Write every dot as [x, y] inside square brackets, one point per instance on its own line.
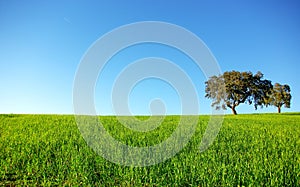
[280, 96]
[234, 87]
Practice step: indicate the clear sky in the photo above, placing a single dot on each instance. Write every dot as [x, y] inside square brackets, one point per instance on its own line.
[42, 43]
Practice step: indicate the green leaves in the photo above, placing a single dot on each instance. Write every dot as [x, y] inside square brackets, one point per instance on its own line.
[280, 95]
[234, 87]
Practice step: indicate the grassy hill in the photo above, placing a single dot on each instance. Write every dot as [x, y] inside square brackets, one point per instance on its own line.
[252, 149]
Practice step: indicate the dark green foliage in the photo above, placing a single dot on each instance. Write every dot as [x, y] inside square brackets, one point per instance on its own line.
[233, 88]
[280, 96]
[260, 89]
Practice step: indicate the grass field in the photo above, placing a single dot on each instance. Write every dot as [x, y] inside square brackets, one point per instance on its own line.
[250, 150]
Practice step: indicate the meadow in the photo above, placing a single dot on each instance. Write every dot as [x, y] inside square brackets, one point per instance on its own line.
[250, 150]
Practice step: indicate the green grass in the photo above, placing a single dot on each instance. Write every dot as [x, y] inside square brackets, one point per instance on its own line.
[250, 150]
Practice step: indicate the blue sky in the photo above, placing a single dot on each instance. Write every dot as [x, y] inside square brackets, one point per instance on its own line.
[42, 43]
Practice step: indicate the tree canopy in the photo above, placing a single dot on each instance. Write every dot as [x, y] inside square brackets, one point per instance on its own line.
[281, 95]
[234, 87]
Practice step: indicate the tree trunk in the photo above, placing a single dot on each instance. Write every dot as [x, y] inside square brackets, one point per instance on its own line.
[279, 109]
[233, 110]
